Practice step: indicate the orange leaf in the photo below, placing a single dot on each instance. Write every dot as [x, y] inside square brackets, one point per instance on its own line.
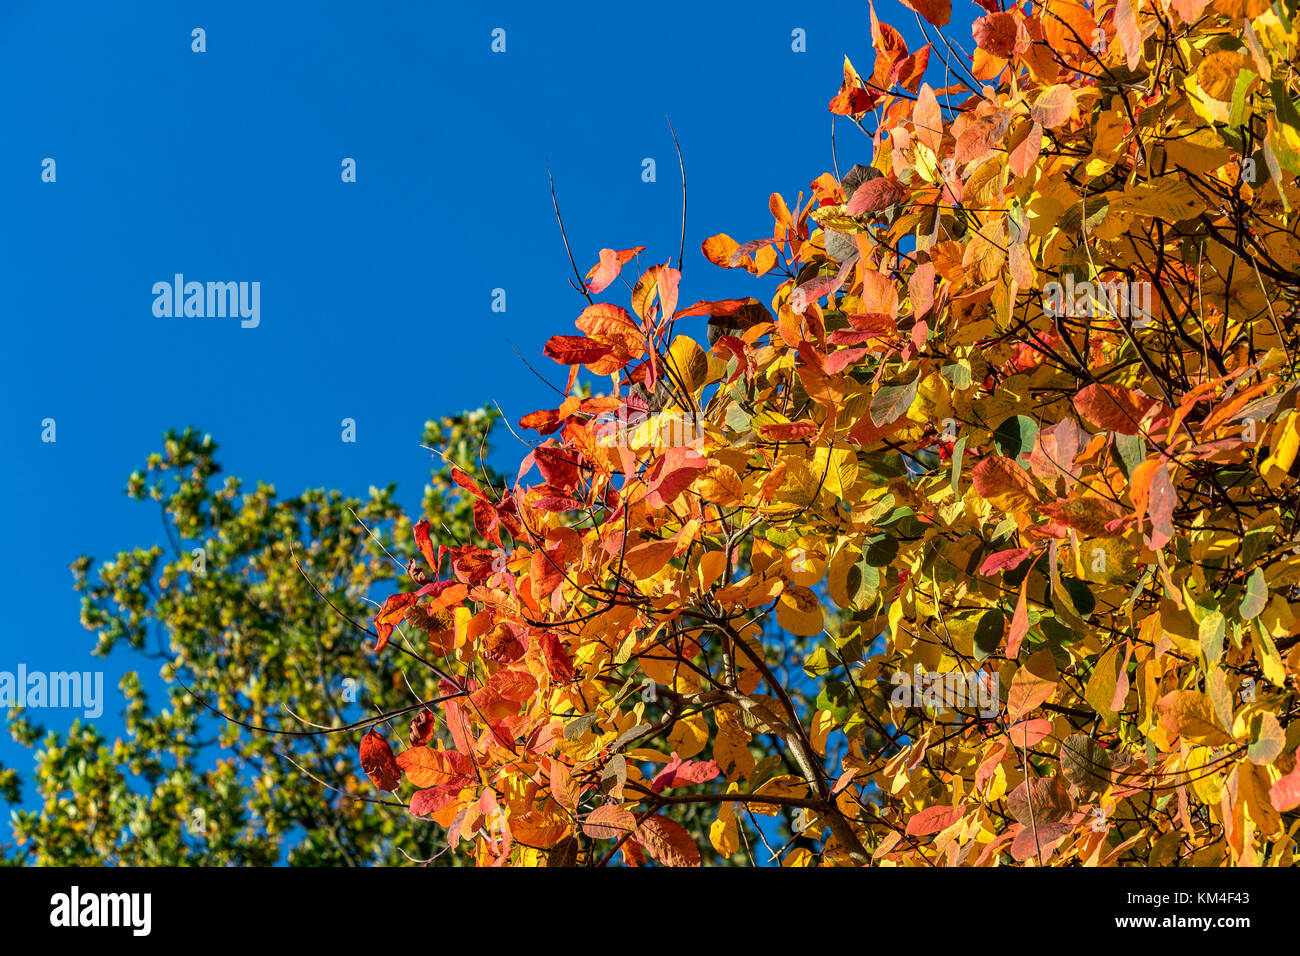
[718, 249]
[609, 822]
[391, 614]
[649, 557]
[1026, 154]
[931, 820]
[927, 120]
[563, 788]
[1004, 483]
[1113, 407]
[607, 270]
[426, 767]
[1054, 106]
[1033, 684]
[788, 431]
[1019, 622]
[1002, 34]
[937, 12]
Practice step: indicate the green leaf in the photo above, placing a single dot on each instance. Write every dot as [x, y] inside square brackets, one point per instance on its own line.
[891, 402]
[1015, 436]
[1259, 533]
[1266, 739]
[819, 663]
[863, 583]
[1286, 111]
[988, 633]
[1132, 450]
[1081, 596]
[1238, 115]
[1256, 596]
[1211, 633]
[738, 419]
[958, 452]
[958, 373]
[880, 551]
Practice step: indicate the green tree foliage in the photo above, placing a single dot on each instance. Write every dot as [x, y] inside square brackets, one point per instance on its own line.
[235, 609]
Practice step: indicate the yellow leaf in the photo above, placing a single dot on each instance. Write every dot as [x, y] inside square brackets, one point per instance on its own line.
[731, 749]
[723, 833]
[841, 471]
[822, 724]
[799, 611]
[687, 360]
[1172, 200]
[721, 485]
[1189, 714]
[785, 785]
[689, 735]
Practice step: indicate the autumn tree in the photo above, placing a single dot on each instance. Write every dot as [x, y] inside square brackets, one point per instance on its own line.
[1004, 465]
[244, 609]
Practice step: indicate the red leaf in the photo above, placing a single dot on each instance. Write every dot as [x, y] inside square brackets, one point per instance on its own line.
[1160, 507]
[875, 194]
[425, 803]
[486, 521]
[851, 101]
[921, 287]
[1285, 794]
[1004, 560]
[1027, 733]
[445, 594]
[812, 290]
[667, 842]
[422, 728]
[1127, 32]
[1092, 517]
[574, 349]
[908, 71]
[466, 482]
[679, 773]
[735, 346]
[378, 763]
[425, 544]
[841, 359]
[672, 474]
[1026, 154]
[746, 249]
[724, 307]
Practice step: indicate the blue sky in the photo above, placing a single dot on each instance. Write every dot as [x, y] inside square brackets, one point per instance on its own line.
[375, 295]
